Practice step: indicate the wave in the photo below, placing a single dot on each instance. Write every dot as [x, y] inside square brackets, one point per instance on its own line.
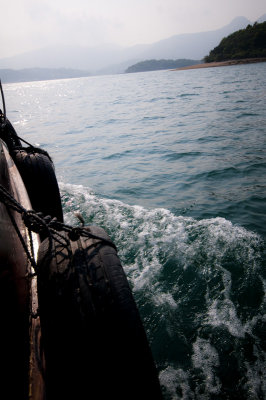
[199, 287]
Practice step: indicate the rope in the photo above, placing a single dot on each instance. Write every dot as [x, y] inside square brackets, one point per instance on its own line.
[36, 222]
[3, 115]
[31, 149]
[30, 256]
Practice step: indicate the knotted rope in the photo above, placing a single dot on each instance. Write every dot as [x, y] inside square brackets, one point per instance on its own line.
[38, 223]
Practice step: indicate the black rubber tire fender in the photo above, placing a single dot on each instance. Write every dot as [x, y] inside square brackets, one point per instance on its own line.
[38, 173]
[9, 135]
[94, 341]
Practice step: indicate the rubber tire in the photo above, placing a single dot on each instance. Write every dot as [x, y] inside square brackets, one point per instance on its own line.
[94, 341]
[9, 135]
[38, 174]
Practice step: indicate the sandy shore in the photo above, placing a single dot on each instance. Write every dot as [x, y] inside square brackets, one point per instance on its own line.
[223, 63]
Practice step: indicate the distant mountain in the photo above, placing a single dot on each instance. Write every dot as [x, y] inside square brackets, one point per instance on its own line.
[193, 45]
[262, 19]
[74, 57]
[115, 59]
[155, 65]
[39, 74]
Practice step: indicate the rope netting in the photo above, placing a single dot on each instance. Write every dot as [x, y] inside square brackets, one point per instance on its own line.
[45, 225]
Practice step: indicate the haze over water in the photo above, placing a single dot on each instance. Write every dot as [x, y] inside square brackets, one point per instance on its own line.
[172, 165]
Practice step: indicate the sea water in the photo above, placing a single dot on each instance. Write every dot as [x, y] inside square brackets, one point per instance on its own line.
[172, 165]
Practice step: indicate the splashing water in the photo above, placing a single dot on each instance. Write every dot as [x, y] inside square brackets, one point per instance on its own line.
[200, 290]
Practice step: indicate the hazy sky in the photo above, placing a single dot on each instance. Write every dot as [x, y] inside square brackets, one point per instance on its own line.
[32, 24]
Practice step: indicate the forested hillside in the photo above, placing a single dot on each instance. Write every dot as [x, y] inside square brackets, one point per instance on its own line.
[245, 43]
[154, 65]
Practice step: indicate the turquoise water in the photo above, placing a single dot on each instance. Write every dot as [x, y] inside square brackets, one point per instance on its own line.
[172, 165]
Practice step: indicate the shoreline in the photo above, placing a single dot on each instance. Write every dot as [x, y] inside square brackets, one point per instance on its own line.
[223, 63]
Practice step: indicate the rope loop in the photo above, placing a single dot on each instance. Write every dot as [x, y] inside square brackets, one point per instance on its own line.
[55, 224]
[38, 223]
[34, 222]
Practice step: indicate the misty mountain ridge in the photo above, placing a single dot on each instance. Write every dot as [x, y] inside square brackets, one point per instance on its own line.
[116, 59]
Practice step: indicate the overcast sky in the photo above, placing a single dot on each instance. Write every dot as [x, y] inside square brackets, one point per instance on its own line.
[30, 24]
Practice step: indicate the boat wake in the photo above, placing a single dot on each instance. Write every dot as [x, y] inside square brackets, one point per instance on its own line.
[200, 290]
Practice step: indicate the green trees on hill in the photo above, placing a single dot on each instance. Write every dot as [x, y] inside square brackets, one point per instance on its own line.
[154, 65]
[245, 43]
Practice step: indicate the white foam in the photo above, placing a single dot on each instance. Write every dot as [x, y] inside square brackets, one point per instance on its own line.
[223, 313]
[155, 235]
[153, 245]
[205, 358]
[256, 375]
[171, 379]
[165, 299]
